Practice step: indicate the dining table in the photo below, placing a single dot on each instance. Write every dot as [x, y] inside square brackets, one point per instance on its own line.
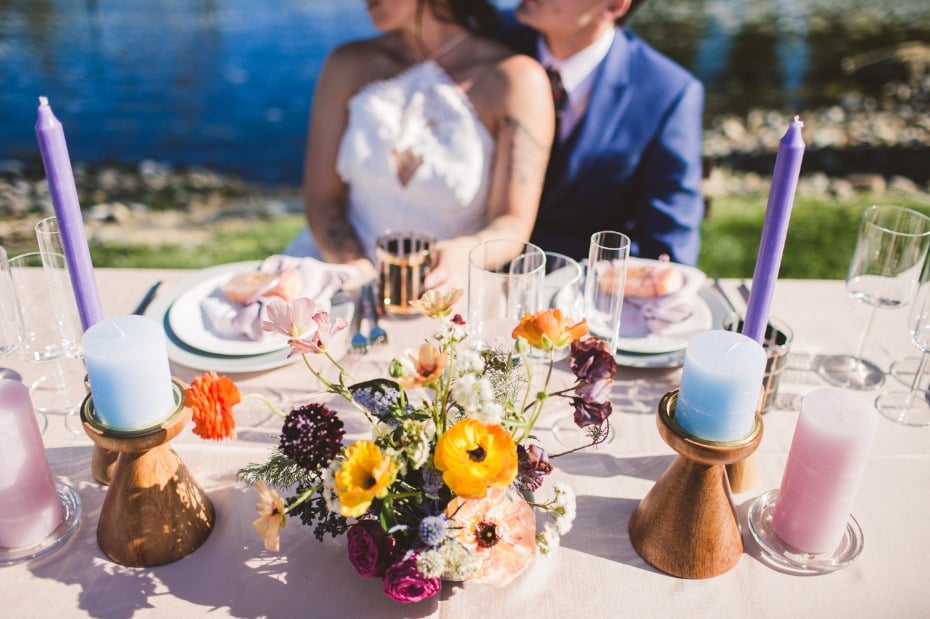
[595, 571]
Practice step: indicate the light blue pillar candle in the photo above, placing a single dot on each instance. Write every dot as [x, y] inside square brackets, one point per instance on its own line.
[127, 366]
[720, 386]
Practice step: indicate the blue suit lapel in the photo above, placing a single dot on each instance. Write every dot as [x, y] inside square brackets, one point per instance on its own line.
[608, 100]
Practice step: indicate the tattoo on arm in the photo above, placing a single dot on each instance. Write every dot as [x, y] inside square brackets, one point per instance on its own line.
[340, 234]
[528, 154]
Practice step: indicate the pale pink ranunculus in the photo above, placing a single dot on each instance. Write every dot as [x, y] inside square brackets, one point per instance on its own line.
[499, 530]
[308, 326]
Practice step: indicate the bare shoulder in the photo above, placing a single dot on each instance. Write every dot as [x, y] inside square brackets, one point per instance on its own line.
[505, 71]
[359, 62]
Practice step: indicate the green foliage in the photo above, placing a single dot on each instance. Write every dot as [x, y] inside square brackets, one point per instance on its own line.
[821, 235]
[820, 239]
[254, 242]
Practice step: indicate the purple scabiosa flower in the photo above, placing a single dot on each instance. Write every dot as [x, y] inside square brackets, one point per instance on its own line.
[533, 466]
[591, 361]
[592, 403]
[312, 436]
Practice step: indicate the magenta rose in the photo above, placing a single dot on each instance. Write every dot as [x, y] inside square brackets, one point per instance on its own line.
[404, 582]
[370, 548]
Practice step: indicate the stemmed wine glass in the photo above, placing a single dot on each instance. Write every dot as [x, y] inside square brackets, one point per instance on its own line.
[884, 272]
[911, 407]
[904, 370]
[67, 385]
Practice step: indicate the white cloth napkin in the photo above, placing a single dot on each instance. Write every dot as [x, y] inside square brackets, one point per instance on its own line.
[244, 322]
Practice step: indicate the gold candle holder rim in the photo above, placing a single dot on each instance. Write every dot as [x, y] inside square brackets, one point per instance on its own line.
[701, 449]
[89, 416]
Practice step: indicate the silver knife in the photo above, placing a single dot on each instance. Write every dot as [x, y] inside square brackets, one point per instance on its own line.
[744, 291]
[147, 299]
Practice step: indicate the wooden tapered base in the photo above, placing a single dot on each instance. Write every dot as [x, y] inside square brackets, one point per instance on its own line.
[686, 525]
[154, 511]
[102, 464]
[742, 474]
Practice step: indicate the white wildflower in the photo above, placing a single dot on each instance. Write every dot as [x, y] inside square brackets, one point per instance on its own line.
[469, 361]
[548, 540]
[329, 482]
[459, 562]
[431, 563]
[565, 507]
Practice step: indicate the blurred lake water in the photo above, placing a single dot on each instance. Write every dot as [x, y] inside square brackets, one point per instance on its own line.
[227, 84]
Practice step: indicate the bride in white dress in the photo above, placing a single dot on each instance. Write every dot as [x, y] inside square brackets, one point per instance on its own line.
[431, 127]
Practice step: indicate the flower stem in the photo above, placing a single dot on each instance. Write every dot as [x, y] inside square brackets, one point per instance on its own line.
[274, 409]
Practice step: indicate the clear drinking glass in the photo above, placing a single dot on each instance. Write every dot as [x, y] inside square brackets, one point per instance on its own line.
[51, 332]
[911, 407]
[604, 283]
[11, 323]
[505, 281]
[884, 272]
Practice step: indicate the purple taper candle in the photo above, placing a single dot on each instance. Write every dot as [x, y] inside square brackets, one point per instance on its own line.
[774, 230]
[61, 186]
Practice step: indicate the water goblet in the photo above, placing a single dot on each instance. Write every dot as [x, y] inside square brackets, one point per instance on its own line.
[884, 272]
[904, 370]
[911, 407]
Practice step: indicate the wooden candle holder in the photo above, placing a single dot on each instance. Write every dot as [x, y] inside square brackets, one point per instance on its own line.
[686, 525]
[102, 460]
[154, 511]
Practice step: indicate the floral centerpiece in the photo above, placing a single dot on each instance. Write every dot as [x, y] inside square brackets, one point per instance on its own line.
[447, 487]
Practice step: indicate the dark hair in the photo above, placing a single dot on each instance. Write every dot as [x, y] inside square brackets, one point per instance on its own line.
[477, 16]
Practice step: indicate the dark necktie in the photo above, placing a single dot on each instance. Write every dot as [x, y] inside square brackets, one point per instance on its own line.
[559, 96]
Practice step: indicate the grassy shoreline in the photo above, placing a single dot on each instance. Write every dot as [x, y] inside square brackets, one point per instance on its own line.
[820, 240]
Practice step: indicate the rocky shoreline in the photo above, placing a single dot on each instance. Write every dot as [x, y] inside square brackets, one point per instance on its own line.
[860, 144]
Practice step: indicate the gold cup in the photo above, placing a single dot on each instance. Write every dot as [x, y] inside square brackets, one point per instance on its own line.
[777, 344]
[404, 259]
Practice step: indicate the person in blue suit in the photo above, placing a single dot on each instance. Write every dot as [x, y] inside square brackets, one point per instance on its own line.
[627, 156]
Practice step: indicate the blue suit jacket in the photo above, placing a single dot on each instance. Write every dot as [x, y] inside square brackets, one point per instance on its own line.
[633, 163]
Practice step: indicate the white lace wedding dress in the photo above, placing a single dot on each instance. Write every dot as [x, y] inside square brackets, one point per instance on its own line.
[415, 156]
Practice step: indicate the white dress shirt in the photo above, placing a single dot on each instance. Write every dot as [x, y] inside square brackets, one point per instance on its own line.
[577, 73]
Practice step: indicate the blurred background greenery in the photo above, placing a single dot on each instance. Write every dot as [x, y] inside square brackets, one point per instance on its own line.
[820, 240]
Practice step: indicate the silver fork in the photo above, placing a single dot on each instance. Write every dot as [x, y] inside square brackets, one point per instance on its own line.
[358, 343]
[377, 335]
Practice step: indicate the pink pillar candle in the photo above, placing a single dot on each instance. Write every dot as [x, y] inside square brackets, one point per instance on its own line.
[29, 506]
[828, 454]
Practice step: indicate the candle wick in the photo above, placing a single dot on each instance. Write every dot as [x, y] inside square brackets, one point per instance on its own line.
[43, 101]
[797, 120]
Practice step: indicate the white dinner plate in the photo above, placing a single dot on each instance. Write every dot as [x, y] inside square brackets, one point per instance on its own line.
[719, 310]
[187, 320]
[635, 336]
[181, 353]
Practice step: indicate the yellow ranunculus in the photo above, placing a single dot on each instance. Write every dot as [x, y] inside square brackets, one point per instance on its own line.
[549, 329]
[474, 457]
[365, 474]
